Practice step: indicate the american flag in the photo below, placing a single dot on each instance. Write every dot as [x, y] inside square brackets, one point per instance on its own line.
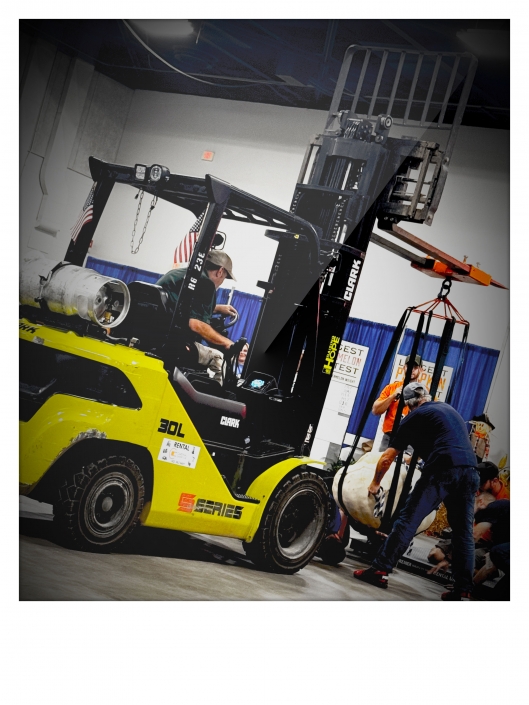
[86, 215]
[183, 252]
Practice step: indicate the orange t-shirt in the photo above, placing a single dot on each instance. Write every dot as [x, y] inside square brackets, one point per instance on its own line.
[391, 411]
[504, 493]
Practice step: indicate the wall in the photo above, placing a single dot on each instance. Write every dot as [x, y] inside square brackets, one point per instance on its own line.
[68, 111]
[259, 149]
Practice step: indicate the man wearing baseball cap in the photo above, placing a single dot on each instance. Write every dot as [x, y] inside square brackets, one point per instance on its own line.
[388, 401]
[490, 480]
[217, 268]
[440, 437]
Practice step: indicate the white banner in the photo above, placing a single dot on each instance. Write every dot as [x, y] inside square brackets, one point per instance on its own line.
[339, 401]
[349, 364]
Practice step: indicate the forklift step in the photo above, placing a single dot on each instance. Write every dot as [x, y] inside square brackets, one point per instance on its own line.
[245, 498]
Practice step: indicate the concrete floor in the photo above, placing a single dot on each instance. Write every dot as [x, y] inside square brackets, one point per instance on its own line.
[168, 565]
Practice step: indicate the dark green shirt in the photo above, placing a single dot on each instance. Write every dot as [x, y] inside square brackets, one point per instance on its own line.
[204, 296]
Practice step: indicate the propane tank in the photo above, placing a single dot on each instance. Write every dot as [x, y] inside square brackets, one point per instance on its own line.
[71, 290]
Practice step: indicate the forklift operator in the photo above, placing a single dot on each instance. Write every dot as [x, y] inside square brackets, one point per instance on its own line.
[218, 267]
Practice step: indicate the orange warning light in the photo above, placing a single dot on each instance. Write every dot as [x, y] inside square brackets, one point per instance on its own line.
[208, 156]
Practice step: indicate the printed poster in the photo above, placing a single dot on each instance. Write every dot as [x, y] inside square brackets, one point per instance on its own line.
[346, 376]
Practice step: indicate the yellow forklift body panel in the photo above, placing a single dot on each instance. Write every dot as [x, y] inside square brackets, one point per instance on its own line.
[189, 493]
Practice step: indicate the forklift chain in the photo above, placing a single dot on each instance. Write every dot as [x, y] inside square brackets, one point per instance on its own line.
[152, 207]
[445, 289]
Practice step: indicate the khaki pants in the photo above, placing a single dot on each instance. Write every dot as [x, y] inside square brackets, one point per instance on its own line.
[212, 359]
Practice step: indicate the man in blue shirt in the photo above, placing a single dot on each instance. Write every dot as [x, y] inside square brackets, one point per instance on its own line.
[492, 523]
[440, 437]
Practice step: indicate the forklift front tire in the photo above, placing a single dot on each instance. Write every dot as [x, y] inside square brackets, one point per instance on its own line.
[99, 504]
[292, 526]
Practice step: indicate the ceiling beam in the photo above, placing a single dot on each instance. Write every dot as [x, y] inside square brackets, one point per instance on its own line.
[248, 66]
[403, 34]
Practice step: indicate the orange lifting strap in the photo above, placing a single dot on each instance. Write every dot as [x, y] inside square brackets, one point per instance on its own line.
[449, 310]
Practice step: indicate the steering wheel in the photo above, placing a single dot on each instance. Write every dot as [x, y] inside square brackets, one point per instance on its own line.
[221, 323]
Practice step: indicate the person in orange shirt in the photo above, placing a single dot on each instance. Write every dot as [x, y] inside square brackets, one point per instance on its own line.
[489, 481]
[388, 402]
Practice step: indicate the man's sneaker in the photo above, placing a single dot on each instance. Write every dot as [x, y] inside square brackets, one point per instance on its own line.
[455, 595]
[378, 578]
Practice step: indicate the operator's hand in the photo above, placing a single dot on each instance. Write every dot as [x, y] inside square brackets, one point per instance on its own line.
[373, 488]
[225, 310]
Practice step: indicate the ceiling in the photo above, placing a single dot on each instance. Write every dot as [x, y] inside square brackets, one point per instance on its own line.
[281, 62]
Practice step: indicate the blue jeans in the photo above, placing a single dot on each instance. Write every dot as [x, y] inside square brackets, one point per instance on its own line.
[456, 487]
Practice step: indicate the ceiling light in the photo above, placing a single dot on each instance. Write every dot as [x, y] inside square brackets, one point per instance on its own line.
[155, 173]
[140, 172]
[165, 29]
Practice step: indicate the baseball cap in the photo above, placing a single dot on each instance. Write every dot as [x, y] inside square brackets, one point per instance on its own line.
[222, 260]
[411, 390]
[418, 360]
[487, 471]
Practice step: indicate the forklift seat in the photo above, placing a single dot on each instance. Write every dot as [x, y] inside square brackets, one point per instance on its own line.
[191, 397]
[202, 382]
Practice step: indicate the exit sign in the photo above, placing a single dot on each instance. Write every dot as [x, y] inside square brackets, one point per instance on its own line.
[208, 156]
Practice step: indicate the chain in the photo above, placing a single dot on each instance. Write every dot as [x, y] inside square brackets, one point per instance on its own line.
[151, 208]
[445, 289]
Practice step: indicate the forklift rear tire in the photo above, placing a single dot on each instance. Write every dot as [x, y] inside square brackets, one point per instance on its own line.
[293, 525]
[99, 504]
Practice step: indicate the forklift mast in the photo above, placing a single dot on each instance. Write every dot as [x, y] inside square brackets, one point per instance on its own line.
[352, 174]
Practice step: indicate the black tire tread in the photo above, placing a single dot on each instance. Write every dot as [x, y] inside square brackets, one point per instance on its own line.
[258, 551]
[70, 493]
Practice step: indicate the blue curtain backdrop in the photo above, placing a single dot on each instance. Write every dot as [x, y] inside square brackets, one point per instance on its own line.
[472, 388]
[474, 381]
[120, 271]
[246, 304]
[476, 373]
[248, 307]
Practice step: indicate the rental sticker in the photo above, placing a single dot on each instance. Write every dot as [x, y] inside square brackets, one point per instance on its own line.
[179, 453]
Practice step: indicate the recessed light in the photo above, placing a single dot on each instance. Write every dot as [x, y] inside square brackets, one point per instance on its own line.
[165, 29]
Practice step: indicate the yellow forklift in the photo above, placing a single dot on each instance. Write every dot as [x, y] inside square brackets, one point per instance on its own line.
[117, 429]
